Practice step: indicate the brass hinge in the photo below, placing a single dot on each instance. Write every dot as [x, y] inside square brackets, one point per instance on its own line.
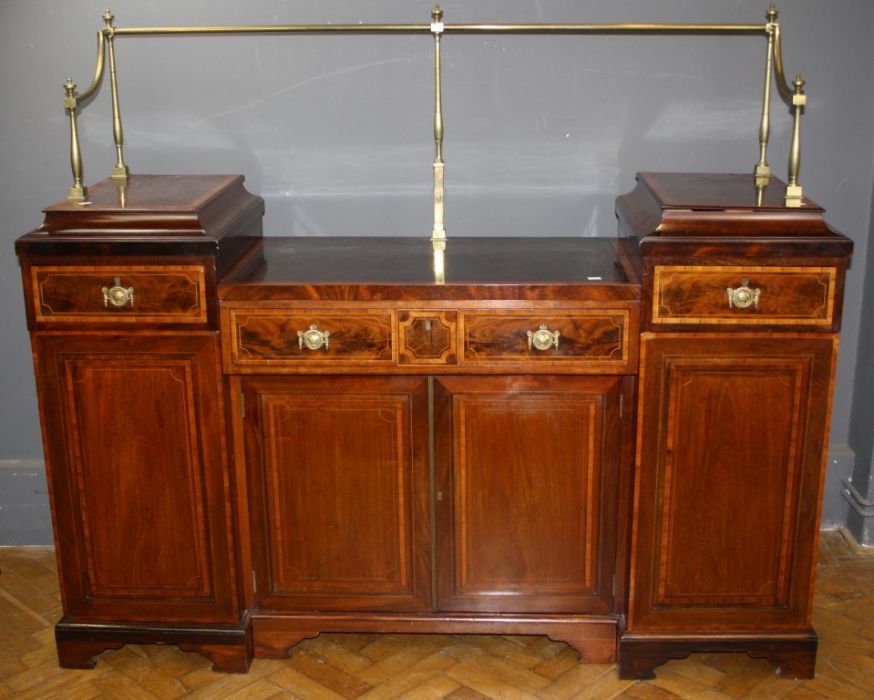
[613, 589]
[242, 405]
[621, 405]
[254, 582]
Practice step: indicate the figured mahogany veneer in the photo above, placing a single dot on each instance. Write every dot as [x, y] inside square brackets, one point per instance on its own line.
[697, 294]
[584, 335]
[162, 294]
[427, 337]
[269, 337]
[576, 437]
[470, 337]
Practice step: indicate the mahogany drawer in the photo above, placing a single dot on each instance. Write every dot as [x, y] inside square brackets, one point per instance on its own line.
[787, 296]
[547, 338]
[266, 337]
[119, 293]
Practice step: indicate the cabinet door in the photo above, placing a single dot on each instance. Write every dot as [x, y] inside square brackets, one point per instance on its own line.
[729, 473]
[339, 489]
[133, 431]
[527, 469]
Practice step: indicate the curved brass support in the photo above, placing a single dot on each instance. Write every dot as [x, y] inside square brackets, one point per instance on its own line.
[84, 97]
[783, 88]
[120, 170]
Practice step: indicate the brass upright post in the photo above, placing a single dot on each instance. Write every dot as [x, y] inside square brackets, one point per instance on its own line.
[763, 170]
[794, 192]
[78, 192]
[120, 170]
[438, 236]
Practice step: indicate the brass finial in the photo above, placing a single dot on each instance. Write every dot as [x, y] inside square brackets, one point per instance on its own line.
[437, 13]
[799, 84]
[108, 18]
[772, 14]
[70, 90]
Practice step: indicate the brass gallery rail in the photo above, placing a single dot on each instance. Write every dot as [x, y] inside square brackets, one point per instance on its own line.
[794, 95]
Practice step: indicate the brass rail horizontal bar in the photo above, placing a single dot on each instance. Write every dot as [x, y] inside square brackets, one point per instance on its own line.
[278, 29]
[635, 28]
[731, 29]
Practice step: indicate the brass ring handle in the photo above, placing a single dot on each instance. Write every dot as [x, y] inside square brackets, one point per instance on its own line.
[743, 297]
[313, 338]
[543, 339]
[118, 296]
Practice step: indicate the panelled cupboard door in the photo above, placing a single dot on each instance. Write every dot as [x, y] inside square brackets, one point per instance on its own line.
[133, 433]
[339, 492]
[729, 474]
[526, 478]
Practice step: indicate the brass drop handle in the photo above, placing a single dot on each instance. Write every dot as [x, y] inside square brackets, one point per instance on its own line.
[543, 339]
[313, 338]
[743, 297]
[118, 296]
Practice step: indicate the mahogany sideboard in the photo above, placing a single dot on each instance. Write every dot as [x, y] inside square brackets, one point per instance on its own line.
[618, 442]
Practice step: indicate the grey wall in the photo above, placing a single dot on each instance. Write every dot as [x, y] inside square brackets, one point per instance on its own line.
[335, 131]
[862, 426]
[859, 492]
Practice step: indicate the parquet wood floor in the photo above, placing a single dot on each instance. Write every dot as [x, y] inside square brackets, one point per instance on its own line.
[368, 666]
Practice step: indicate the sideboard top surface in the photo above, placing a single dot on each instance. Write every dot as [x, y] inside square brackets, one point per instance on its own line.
[402, 267]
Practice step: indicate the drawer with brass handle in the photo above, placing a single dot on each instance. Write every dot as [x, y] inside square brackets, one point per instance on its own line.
[281, 337]
[689, 294]
[546, 338]
[119, 293]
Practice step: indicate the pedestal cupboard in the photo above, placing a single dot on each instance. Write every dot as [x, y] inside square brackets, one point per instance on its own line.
[616, 442]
